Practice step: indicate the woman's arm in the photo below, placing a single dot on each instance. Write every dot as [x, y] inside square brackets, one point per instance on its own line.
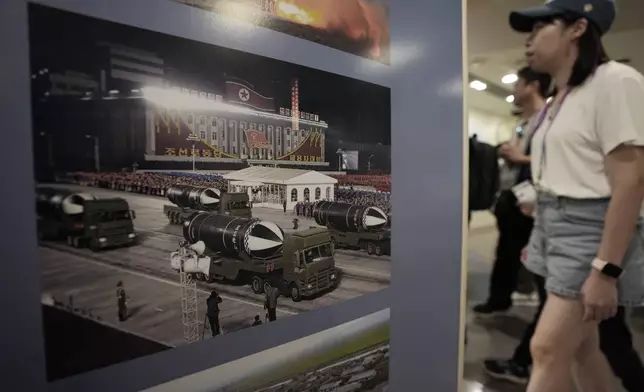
[625, 169]
[620, 130]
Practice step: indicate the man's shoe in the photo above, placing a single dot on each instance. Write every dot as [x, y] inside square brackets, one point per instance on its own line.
[507, 370]
[489, 310]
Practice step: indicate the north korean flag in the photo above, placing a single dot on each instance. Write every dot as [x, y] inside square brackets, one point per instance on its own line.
[244, 95]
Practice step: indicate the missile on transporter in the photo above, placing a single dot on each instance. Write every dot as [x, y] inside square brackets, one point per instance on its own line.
[194, 197]
[349, 217]
[60, 201]
[236, 237]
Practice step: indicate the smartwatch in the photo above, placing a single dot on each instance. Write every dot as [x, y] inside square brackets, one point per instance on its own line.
[607, 268]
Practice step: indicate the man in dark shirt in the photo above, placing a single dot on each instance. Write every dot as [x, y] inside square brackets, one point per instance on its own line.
[270, 303]
[514, 227]
[121, 301]
[213, 312]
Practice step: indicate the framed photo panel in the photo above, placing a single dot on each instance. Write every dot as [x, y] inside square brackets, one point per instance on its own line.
[196, 183]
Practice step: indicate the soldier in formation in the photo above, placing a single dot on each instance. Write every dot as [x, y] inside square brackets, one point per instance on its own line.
[121, 301]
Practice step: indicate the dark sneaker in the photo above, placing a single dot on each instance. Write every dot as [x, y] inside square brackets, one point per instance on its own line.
[488, 310]
[506, 370]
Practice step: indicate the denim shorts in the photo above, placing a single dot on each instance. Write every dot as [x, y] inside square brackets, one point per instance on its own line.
[565, 240]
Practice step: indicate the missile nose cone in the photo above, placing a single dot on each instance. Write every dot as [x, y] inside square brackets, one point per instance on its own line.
[210, 196]
[375, 217]
[207, 200]
[72, 209]
[265, 236]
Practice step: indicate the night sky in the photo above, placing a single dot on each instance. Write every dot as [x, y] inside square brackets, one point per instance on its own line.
[355, 111]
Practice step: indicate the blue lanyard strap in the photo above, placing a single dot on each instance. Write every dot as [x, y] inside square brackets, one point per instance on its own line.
[541, 119]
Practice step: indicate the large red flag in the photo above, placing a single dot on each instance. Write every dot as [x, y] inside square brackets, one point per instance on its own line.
[256, 139]
[240, 94]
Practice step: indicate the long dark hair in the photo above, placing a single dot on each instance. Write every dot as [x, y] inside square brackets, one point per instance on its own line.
[591, 51]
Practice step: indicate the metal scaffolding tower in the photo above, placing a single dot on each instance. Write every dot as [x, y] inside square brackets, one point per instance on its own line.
[190, 314]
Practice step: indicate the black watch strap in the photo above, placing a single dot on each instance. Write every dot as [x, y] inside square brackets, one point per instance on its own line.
[608, 269]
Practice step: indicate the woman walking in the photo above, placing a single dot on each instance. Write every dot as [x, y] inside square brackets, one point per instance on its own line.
[588, 171]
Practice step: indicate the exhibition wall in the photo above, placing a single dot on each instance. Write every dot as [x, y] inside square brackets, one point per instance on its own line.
[302, 72]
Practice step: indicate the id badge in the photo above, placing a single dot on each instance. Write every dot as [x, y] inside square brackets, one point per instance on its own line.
[525, 192]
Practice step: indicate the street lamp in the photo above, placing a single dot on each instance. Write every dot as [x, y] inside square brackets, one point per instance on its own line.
[50, 147]
[369, 162]
[340, 152]
[193, 138]
[97, 160]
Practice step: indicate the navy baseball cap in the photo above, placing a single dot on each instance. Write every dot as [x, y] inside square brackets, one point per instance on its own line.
[599, 12]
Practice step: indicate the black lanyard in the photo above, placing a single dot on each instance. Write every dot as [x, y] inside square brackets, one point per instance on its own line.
[542, 117]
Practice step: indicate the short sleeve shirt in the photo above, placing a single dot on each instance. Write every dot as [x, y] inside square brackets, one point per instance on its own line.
[595, 118]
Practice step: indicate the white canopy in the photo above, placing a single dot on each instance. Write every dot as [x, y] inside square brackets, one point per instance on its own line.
[280, 176]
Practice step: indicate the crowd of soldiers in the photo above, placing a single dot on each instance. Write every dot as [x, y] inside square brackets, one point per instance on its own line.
[381, 200]
[147, 183]
[304, 209]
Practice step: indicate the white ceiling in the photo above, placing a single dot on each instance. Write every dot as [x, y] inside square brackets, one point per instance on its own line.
[495, 50]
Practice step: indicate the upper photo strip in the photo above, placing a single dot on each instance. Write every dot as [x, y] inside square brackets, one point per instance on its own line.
[188, 191]
[359, 27]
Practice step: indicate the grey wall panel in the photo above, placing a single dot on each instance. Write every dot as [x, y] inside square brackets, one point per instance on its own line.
[427, 163]
[22, 362]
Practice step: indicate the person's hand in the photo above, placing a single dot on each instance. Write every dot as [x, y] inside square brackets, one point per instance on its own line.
[599, 297]
[511, 153]
[527, 209]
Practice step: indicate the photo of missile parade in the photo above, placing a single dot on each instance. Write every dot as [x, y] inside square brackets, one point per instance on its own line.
[166, 249]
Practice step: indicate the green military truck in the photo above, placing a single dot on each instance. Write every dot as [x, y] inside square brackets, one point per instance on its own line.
[373, 242]
[83, 220]
[188, 200]
[255, 252]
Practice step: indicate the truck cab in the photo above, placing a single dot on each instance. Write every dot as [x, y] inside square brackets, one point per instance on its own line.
[107, 223]
[313, 266]
[235, 204]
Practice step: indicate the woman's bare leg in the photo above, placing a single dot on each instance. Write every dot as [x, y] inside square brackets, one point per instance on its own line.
[590, 368]
[560, 333]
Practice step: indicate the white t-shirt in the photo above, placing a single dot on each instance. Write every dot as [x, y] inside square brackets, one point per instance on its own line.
[595, 118]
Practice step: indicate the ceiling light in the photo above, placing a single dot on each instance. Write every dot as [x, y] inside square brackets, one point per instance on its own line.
[509, 78]
[549, 100]
[509, 98]
[478, 85]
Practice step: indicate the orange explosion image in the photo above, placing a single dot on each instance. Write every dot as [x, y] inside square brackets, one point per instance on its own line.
[359, 20]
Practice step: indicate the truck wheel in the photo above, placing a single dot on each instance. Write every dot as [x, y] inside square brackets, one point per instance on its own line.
[295, 293]
[207, 278]
[369, 248]
[378, 250]
[257, 285]
[267, 286]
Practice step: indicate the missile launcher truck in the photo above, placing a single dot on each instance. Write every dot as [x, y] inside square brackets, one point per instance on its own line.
[83, 220]
[187, 200]
[256, 252]
[355, 226]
